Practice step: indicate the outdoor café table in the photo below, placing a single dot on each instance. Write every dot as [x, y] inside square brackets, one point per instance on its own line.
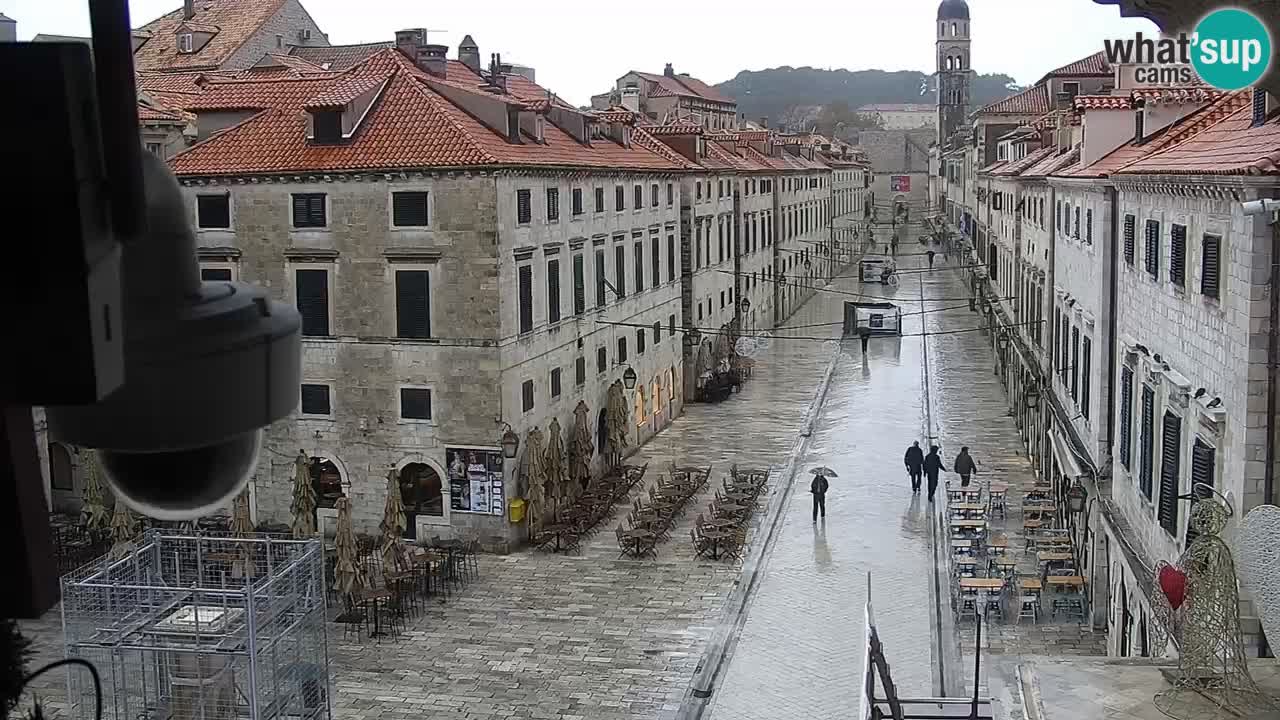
[738, 497]
[1032, 524]
[987, 584]
[374, 597]
[634, 537]
[962, 545]
[999, 542]
[1031, 584]
[557, 531]
[729, 508]
[969, 507]
[971, 524]
[715, 536]
[1061, 581]
[1050, 556]
[722, 522]
[1005, 562]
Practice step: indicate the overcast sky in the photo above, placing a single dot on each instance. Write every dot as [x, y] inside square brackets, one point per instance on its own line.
[580, 49]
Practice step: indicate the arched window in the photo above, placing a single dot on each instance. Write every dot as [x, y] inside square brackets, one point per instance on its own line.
[327, 482]
[953, 29]
[671, 385]
[960, 62]
[942, 29]
[657, 395]
[948, 65]
[422, 492]
[640, 405]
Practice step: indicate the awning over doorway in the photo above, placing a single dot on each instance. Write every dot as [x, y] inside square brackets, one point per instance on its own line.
[1066, 459]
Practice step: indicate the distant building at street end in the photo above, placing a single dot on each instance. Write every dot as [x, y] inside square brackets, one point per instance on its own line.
[902, 116]
[671, 97]
[223, 35]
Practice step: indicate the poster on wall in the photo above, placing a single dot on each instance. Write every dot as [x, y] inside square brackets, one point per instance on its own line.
[900, 183]
[475, 480]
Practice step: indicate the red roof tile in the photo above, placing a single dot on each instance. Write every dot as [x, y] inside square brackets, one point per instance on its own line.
[345, 91]
[1177, 96]
[1095, 65]
[616, 114]
[674, 129]
[1017, 166]
[149, 114]
[179, 82]
[682, 85]
[410, 126]
[1052, 163]
[704, 90]
[235, 20]
[1103, 102]
[339, 58]
[1230, 147]
[1032, 101]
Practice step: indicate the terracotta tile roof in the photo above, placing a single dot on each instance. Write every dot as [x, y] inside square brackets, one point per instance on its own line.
[179, 82]
[1177, 96]
[1052, 163]
[410, 126]
[345, 91]
[199, 27]
[235, 22]
[1018, 166]
[674, 129]
[1095, 65]
[682, 85]
[151, 114]
[640, 137]
[1103, 102]
[291, 62]
[992, 167]
[338, 58]
[1048, 121]
[615, 114]
[1229, 147]
[704, 90]
[1032, 101]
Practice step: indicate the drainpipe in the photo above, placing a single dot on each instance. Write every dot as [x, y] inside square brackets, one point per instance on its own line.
[1273, 348]
[1113, 314]
[1046, 448]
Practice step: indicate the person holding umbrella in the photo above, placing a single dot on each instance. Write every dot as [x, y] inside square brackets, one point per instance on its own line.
[819, 488]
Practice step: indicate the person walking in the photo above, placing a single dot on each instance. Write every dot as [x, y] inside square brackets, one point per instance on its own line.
[914, 460]
[932, 464]
[930, 253]
[965, 465]
[819, 489]
[893, 245]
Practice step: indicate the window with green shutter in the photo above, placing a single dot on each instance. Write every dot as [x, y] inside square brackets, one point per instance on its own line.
[312, 292]
[1210, 266]
[1086, 382]
[525, 275]
[1178, 255]
[409, 209]
[309, 210]
[524, 207]
[1130, 223]
[1170, 472]
[1126, 417]
[579, 285]
[553, 291]
[1147, 441]
[413, 304]
[1151, 249]
[1203, 471]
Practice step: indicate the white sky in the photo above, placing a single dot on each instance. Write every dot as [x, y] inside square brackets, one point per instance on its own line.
[580, 49]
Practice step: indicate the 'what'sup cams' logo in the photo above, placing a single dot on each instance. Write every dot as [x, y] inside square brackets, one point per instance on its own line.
[1230, 50]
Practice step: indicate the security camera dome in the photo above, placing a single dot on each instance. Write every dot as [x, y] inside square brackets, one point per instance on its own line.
[207, 366]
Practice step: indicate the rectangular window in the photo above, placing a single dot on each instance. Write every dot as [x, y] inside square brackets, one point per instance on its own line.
[413, 304]
[619, 198]
[1075, 363]
[671, 326]
[526, 298]
[599, 199]
[601, 298]
[1210, 264]
[671, 194]
[622, 350]
[579, 285]
[415, 403]
[553, 291]
[640, 337]
[577, 201]
[315, 400]
[657, 332]
[1076, 233]
[580, 371]
[620, 270]
[653, 195]
[1203, 469]
[1086, 367]
[1088, 226]
[1129, 230]
[637, 194]
[1170, 472]
[1126, 418]
[697, 247]
[553, 204]
[671, 258]
[1178, 255]
[602, 360]
[309, 210]
[524, 207]
[1146, 440]
[655, 255]
[313, 301]
[555, 382]
[213, 211]
[1151, 249]
[721, 299]
[409, 209]
[526, 396]
[215, 274]
[638, 252]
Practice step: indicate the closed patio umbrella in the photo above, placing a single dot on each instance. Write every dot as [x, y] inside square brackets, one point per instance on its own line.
[532, 468]
[124, 528]
[347, 577]
[619, 419]
[393, 522]
[242, 527]
[93, 507]
[553, 463]
[303, 506]
[580, 446]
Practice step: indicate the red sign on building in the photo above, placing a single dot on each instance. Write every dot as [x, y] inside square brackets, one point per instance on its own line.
[900, 183]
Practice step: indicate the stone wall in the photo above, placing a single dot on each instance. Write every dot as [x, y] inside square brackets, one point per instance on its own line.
[286, 22]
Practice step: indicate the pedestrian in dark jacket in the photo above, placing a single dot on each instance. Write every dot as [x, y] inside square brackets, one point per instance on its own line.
[965, 465]
[932, 464]
[914, 460]
[819, 489]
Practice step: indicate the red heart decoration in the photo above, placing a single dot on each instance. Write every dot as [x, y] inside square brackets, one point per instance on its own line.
[1173, 582]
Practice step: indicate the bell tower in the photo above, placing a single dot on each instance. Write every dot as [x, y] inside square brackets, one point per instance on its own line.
[954, 72]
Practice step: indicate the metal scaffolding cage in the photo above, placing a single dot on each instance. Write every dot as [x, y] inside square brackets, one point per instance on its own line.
[201, 627]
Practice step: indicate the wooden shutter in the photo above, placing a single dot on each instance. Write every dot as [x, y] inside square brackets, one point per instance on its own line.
[553, 204]
[619, 198]
[1126, 418]
[580, 371]
[1086, 362]
[657, 332]
[599, 200]
[579, 286]
[409, 209]
[1210, 266]
[1075, 363]
[1151, 249]
[1129, 230]
[415, 403]
[602, 359]
[555, 382]
[620, 270]
[655, 247]
[553, 291]
[601, 298]
[413, 304]
[313, 301]
[526, 298]
[526, 395]
[1147, 440]
[1203, 468]
[639, 341]
[1076, 233]
[671, 258]
[1178, 255]
[638, 196]
[1170, 471]
[1088, 226]
[577, 201]
[308, 210]
[524, 209]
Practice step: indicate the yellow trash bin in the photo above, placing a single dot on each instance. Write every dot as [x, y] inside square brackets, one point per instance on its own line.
[515, 509]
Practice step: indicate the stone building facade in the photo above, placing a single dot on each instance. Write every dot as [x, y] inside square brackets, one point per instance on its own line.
[223, 35]
[671, 98]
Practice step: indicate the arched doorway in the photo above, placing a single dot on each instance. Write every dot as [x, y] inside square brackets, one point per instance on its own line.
[60, 477]
[326, 481]
[422, 490]
[641, 407]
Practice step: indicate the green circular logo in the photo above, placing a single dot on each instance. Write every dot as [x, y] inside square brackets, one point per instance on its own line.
[1231, 49]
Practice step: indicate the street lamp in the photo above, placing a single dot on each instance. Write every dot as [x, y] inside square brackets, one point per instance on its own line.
[1003, 339]
[746, 304]
[1076, 497]
[510, 442]
[694, 335]
[807, 264]
[1032, 397]
[629, 378]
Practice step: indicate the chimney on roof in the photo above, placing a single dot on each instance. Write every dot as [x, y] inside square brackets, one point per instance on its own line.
[188, 9]
[669, 71]
[8, 29]
[497, 81]
[631, 97]
[407, 41]
[469, 54]
[764, 122]
[433, 59]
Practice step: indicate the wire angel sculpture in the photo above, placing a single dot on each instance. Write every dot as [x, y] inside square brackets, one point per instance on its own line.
[1197, 606]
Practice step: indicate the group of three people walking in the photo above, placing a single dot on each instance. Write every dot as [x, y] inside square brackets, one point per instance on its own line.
[921, 466]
